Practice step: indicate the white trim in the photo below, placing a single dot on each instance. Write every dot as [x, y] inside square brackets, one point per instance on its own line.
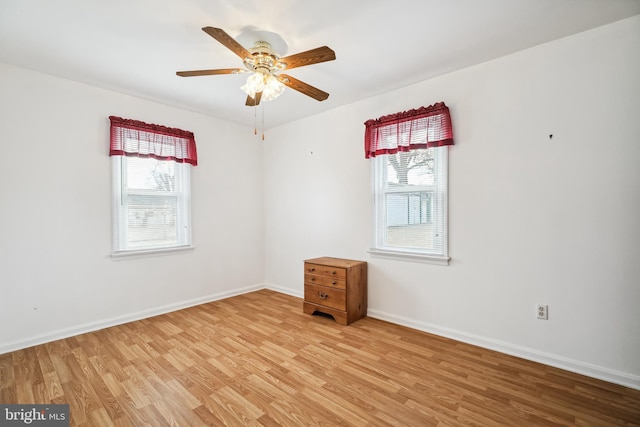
[409, 256]
[572, 365]
[286, 291]
[150, 252]
[114, 321]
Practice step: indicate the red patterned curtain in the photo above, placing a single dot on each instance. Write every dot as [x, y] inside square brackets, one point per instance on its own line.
[140, 139]
[424, 127]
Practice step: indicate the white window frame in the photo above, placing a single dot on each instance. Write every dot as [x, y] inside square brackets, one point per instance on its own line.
[119, 213]
[439, 199]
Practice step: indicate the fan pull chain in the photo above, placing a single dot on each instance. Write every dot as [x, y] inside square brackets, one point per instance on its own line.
[255, 119]
[263, 121]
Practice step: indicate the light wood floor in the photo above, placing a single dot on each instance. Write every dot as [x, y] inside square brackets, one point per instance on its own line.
[256, 359]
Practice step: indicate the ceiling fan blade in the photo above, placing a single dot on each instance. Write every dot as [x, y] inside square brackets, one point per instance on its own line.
[252, 102]
[313, 56]
[228, 41]
[303, 87]
[211, 72]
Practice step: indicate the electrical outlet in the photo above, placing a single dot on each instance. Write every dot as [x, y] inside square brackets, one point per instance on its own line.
[542, 311]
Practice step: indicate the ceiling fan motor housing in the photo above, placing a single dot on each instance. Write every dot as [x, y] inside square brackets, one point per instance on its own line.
[264, 59]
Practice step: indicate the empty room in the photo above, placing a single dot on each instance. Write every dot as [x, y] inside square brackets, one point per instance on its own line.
[336, 213]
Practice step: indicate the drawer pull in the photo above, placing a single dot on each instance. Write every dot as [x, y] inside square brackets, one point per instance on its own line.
[334, 273]
[321, 295]
[312, 269]
[334, 282]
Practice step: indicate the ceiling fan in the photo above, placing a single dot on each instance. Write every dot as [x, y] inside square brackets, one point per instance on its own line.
[266, 81]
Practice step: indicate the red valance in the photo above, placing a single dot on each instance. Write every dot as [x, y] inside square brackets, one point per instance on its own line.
[140, 139]
[424, 127]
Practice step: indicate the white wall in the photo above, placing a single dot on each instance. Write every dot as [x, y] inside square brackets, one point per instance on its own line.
[532, 219]
[56, 274]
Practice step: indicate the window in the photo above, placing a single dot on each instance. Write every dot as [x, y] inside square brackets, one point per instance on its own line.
[411, 202]
[151, 204]
[410, 162]
[151, 186]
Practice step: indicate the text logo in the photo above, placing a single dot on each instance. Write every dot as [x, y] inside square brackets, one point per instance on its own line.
[34, 415]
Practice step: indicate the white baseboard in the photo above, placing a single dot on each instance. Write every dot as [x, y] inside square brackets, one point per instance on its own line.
[114, 321]
[576, 366]
[622, 378]
[286, 291]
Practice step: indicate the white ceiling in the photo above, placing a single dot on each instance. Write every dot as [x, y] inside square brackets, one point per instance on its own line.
[136, 46]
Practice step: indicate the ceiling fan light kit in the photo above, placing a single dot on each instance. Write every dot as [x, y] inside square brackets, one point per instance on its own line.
[266, 83]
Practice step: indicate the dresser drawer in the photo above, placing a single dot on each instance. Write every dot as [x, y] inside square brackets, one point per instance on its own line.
[329, 297]
[331, 282]
[325, 270]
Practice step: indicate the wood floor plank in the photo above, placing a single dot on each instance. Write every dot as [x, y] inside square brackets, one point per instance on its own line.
[257, 359]
[179, 416]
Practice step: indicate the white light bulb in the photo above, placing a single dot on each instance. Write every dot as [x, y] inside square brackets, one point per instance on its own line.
[254, 84]
[272, 88]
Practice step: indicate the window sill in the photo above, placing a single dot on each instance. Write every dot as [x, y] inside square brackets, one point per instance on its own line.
[409, 256]
[150, 252]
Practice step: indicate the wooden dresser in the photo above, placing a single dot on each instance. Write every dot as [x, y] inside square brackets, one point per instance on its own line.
[337, 287]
